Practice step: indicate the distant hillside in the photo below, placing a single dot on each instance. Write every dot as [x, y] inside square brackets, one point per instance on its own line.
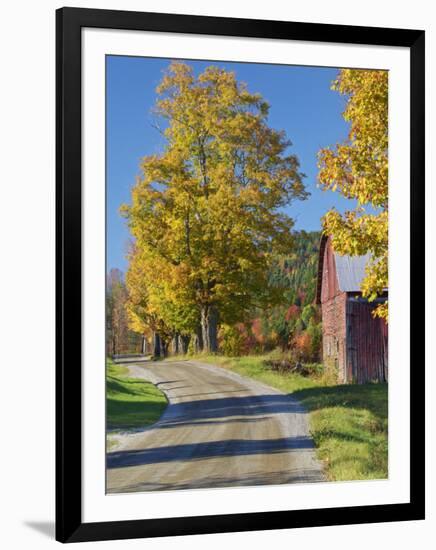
[295, 324]
[298, 271]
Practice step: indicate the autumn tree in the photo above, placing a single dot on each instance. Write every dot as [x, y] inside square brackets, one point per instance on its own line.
[206, 212]
[151, 311]
[119, 338]
[358, 169]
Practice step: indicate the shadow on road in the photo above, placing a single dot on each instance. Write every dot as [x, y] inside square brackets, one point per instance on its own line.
[298, 475]
[253, 405]
[197, 451]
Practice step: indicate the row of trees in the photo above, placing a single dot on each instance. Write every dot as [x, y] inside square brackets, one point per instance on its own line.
[206, 214]
[120, 338]
[294, 324]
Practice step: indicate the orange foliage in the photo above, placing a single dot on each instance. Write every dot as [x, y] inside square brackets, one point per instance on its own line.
[293, 312]
[303, 344]
[256, 329]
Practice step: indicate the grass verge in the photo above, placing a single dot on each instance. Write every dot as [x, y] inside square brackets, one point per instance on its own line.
[349, 423]
[130, 402]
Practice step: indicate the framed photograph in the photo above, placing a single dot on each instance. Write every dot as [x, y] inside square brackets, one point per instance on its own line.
[240, 274]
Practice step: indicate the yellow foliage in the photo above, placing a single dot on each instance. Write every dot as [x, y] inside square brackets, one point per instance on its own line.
[358, 169]
[205, 213]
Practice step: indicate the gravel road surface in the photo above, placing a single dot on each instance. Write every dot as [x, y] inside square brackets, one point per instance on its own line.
[219, 430]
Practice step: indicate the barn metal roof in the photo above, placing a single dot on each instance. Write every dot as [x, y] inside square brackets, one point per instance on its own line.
[351, 271]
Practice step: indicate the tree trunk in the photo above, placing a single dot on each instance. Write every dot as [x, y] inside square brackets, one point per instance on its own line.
[156, 345]
[184, 343]
[163, 348]
[209, 328]
[197, 341]
[175, 344]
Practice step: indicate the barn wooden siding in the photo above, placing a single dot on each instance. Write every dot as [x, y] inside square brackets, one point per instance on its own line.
[353, 340]
[367, 343]
[334, 333]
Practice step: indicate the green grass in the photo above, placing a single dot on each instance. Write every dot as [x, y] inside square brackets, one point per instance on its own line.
[349, 423]
[253, 367]
[131, 402]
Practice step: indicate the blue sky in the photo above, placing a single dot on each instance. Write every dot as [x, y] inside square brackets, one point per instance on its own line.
[301, 103]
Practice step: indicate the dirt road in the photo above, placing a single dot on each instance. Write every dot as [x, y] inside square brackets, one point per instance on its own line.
[219, 430]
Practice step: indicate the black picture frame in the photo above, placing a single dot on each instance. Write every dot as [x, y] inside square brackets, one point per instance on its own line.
[69, 525]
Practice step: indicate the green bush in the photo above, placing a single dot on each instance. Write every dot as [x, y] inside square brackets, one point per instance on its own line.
[231, 341]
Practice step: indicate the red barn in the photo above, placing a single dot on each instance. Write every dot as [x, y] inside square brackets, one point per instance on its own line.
[353, 340]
